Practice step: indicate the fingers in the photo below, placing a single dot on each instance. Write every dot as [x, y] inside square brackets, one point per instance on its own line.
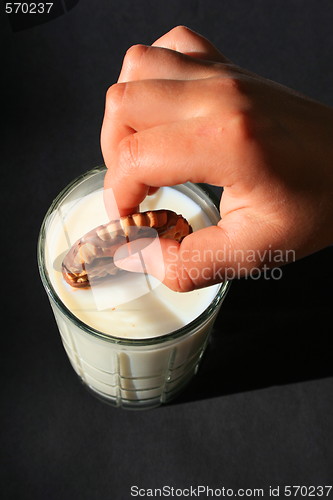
[140, 105]
[182, 39]
[157, 132]
[171, 154]
[154, 132]
[180, 54]
[130, 108]
[143, 62]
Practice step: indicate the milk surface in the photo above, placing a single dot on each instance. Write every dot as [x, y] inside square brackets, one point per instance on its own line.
[131, 305]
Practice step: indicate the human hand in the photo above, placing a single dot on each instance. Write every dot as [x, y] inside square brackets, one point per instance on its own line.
[182, 112]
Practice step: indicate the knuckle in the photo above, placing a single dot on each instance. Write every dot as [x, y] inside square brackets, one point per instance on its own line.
[184, 284]
[134, 55]
[115, 98]
[233, 83]
[228, 83]
[184, 278]
[128, 156]
[180, 30]
[241, 125]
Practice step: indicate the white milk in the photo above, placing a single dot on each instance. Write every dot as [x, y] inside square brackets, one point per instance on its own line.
[133, 307]
[155, 313]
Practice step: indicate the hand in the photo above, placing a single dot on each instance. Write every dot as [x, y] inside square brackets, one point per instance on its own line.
[183, 112]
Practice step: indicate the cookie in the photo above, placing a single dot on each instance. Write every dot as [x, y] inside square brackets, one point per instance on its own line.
[92, 255]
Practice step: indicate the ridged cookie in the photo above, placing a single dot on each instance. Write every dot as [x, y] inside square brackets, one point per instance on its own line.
[92, 255]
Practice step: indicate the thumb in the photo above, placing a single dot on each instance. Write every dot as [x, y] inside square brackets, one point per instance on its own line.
[204, 258]
[238, 246]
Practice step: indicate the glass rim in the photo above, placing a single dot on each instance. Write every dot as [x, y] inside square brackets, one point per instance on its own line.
[188, 329]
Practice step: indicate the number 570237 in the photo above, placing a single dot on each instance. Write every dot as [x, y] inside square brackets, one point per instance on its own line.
[28, 8]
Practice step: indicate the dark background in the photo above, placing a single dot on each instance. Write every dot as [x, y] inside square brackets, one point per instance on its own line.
[260, 411]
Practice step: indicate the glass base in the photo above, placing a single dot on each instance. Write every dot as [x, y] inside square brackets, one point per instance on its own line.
[139, 404]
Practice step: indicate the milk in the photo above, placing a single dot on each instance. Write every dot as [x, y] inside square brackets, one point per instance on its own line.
[126, 338]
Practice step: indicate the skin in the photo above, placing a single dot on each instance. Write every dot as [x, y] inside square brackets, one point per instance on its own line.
[180, 112]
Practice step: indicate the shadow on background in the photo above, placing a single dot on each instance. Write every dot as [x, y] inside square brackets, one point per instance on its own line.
[270, 332]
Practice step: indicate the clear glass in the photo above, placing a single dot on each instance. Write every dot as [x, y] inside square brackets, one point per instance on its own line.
[129, 373]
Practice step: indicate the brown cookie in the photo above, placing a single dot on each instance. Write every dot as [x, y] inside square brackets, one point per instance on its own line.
[92, 255]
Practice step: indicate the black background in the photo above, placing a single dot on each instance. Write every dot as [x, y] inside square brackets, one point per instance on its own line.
[260, 411]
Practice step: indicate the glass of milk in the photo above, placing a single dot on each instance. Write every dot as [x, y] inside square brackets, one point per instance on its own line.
[132, 341]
